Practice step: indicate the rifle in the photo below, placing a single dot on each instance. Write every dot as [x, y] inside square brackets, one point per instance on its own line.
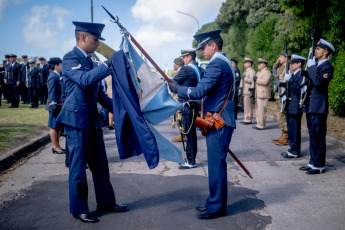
[284, 97]
[306, 84]
[124, 31]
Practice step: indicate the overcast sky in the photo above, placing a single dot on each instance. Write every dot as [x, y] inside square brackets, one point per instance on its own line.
[44, 27]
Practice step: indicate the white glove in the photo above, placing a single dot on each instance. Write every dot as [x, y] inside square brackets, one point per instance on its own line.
[311, 62]
[287, 77]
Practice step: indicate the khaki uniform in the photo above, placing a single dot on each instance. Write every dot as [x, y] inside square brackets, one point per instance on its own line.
[281, 119]
[262, 94]
[246, 83]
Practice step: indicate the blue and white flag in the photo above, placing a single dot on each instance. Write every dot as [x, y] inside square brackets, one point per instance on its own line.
[156, 105]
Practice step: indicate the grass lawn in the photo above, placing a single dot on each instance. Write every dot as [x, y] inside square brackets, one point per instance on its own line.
[20, 125]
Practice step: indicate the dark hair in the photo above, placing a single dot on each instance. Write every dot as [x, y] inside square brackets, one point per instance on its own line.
[193, 55]
[218, 41]
[77, 35]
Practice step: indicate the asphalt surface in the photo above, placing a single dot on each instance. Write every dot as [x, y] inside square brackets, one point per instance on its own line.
[34, 195]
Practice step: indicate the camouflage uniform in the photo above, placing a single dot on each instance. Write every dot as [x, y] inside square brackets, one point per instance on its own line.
[281, 119]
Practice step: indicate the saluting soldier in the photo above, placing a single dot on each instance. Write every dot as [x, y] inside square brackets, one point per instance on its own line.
[245, 84]
[237, 83]
[262, 93]
[279, 68]
[12, 81]
[217, 84]
[24, 92]
[32, 83]
[320, 74]
[43, 76]
[189, 75]
[294, 112]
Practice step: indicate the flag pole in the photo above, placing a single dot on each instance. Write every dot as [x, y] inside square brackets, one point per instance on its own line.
[124, 30]
[240, 163]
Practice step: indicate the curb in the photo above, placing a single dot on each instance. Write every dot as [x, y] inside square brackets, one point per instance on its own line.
[12, 156]
[330, 140]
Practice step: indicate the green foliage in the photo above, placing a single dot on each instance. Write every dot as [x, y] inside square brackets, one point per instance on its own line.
[337, 85]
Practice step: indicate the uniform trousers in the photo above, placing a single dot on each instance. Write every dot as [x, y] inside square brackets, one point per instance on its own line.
[33, 91]
[218, 142]
[247, 108]
[43, 94]
[86, 147]
[191, 138]
[294, 133]
[317, 128]
[261, 112]
[13, 94]
[24, 92]
[281, 118]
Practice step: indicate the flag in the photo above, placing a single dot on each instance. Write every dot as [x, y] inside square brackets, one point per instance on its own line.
[141, 100]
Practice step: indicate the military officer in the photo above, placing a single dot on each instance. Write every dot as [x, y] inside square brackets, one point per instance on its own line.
[279, 69]
[320, 74]
[262, 93]
[217, 82]
[82, 124]
[189, 75]
[54, 103]
[6, 63]
[32, 83]
[245, 84]
[178, 63]
[12, 81]
[238, 82]
[43, 76]
[294, 112]
[2, 74]
[24, 92]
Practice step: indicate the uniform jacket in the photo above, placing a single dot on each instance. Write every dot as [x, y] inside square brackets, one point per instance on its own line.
[186, 77]
[281, 74]
[237, 78]
[33, 76]
[54, 91]
[214, 87]
[13, 73]
[320, 77]
[263, 84]
[83, 91]
[43, 74]
[247, 80]
[295, 92]
[24, 68]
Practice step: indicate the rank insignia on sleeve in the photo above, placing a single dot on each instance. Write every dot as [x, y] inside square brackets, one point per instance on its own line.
[77, 67]
[325, 75]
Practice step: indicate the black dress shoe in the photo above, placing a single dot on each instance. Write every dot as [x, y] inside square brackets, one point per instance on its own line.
[315, 171]
[305, 168]
[201, 208]
[115, 208]
[111, 128]
[211, 215]
[245, 123]
[289, 155]
[86, 217]
[31, 107]
[57, 152]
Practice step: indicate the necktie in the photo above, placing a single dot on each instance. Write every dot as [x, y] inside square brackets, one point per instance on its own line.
[90, 61]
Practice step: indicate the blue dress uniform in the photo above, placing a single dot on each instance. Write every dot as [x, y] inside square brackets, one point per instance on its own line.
[24, 92]
[214, 87]
[13, 76]
[189, 75]
[32, 84]
[43, 76]
[81, 121]
[54, 99]
[317, 109]
[294, 112]
[237, 83]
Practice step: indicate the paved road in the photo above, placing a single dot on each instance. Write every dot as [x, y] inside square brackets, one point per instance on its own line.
[35, 194]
